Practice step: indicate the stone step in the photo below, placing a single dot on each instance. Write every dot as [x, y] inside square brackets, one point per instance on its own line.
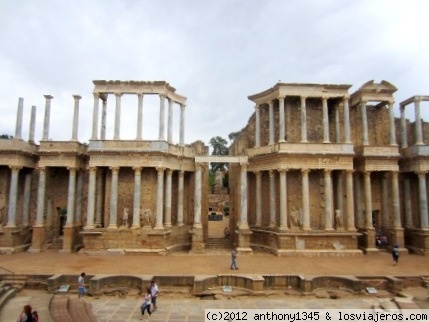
[63, 308]
[6, 293]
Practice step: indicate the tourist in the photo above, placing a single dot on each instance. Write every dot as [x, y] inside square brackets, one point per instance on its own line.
[26, 314]
[395, 254]
[147, 302]
[81, 285]
[234, 259]
[154, 292]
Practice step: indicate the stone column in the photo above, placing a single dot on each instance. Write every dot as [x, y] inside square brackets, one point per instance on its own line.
[339, 195]
[347, 120]
[99, 198]
[197, 197]
[170, 121]
[328, 199]
[117, 117]
[419, 132]
[180, 198]
[75, 117]
[305, 200]
[404, 143]
[95, 117]
[182, 125]
[161, 117]
[368, 200]
[27, 196]
[244, 225]
[325, 120]
[423, 201]
[13, 196]
[364, 124]
[407, 203]
[79, 197]
[159, 198]
[91, 198]
[384, 202]
[272, 199]
[71, 197]
[271, 121]
[32, 124]
[139, 119]
[303, 120]
[350, 202]
[392, 131]
[283, 200]
[282, 135]
[257, 127]
[18, 127]
[136, 197]
[395, 193]
[41, 198]
[167, 200]
[358, 201]
[47, 117]
[337, 124]
[258, 200]
[113, 220]
[103, 119]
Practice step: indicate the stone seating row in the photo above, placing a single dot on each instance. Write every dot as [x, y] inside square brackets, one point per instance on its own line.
[63, 308]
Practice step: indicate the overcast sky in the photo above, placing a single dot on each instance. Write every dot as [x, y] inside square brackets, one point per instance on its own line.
[216, 53]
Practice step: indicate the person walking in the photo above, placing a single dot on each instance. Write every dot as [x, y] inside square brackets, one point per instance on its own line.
[147, 302]
[81, 285]
[26, 314]
[154, 292]
[395, 255]
[234, 259]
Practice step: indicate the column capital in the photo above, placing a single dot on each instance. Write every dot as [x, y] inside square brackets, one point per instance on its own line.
[256, 107]
[114, 169]
[281, 97]
[391, 102]
[417, 99]
[41, 169]
[257, 173]
[327, 171]
[181, 173]
[283, 170]
[138, 170]
[92, 169]
[270, 103]
[272, 173]
[305, 171]
[303, 98]
[420, 173]
[182, 106]
[160, 170]
[48, 97]
[363, 103]
[367, 172]
[198, 166]
[325, 98]
[77, 97]
[162, 97]
[96, 95]
[140, 95]
[15, 167]
[346, 97]
[118, 95]
[169, 171]
[71, 169]
[350, 171]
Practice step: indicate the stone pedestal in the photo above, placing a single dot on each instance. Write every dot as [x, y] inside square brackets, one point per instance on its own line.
[68, 239]
[197, 245]
[367, 241]
[244, 241]
[398, 237]
[38, 239]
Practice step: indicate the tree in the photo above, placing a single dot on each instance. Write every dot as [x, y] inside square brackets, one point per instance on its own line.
[6, 136]
[219, 146]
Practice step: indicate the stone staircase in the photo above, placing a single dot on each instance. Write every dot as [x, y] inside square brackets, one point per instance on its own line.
[65, 309]
[6, 293]
[216, 243]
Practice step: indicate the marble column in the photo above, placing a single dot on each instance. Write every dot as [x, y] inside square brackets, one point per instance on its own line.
[168, 184]
[339, 194]
[71, 197]
[305, 199]
[75, 117]
[385, 206]
[337, 124]
[41, 198]
[137, 197]
[325, 120]
[303, 120]
[182, 125]
[272, 199]
[79, 197]
[282, 135]
[347, 136]
[91, 198]
[161, 118]
[32, 125]
[180, 198]
[13, 196]
[392, 131]
[418, 123]
[407, 203]
[271, 121]
[395, 195]
[47, 117]
[103, 119]
[27, 197]
[95, 117]
[358, 202]
[159, 199]
[170, 121]
[328, 199]
[404, 143]
[368, 200]
[244, 224]
[350, 201]
[99, 198]
[258, 222]
[117, 117]
[283, 199]
[197, 197]
[423, 202]
[18, 127]
[113, 219]
[365, 140]
[257, 127]
[139, 119]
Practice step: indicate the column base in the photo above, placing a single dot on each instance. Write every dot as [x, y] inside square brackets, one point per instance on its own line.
[38, 239]
[197, 245]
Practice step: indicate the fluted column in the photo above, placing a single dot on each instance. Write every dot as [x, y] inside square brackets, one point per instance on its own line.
[337, 124]
[358, 202]
[167, 200]
[258, 199]
[350, 201]
[136, 197]
[99, 197]
[257, 127]
[18, 127]
[79, 197]
[117, 117]
[170, 121]
[32, 125]
[395, 193]
[325, 120]
[347, 120]
[244, 224]
[282, 135]
[47, 117]
[305, 199]
[364, 124]
[103, 119]
[27, 196]
[91, 198]
[41, 197]
[303, 120]
[423, 202]
[392, 131]
[71, 197]
[161, 117]
[407, 202]
[139, 119]
[339, 194]
[386, 209]
[182, 125]
[283, 199]
[95, 117]
[272, 199]
[271, 121]
[13, 195]
[75, 117]
[419, 132]
[113, 219]
[328, 199]
[404, 143]
[368, 200]
[197, 197]
[180, 198]
[159, 198]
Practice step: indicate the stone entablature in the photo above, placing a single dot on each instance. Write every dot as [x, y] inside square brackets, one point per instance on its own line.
[302, 148]
[17, 146]
[61, 147]
[378, 151]
[377, 92]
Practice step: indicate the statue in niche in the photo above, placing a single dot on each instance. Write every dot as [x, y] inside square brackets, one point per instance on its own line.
[146, 216]
[125, 217]
[294, 218]
[338, 219]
